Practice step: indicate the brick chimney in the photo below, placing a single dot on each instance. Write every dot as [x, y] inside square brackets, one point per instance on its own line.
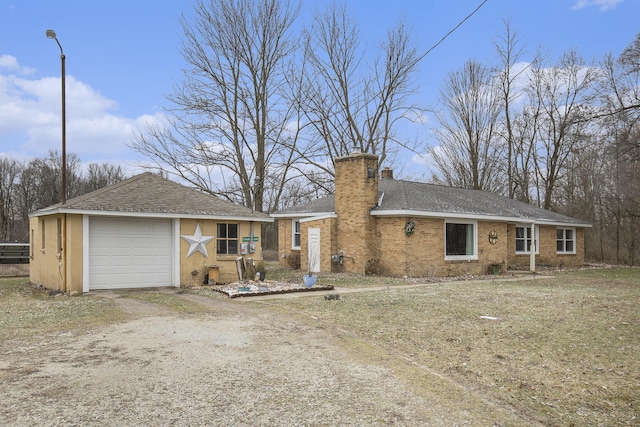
[356, 181]
[387, 173]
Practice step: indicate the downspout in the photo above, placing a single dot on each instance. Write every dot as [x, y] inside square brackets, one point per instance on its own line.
[250, 238]
[63, 254]
[532, 251]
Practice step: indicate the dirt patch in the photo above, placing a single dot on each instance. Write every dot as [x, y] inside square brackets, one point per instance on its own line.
[232, 363]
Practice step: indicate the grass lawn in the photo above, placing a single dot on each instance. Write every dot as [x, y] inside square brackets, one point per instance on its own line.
[561, 351]
[555, 351]
[28, 310]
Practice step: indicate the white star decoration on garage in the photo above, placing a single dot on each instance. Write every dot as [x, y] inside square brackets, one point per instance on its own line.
[198, 242]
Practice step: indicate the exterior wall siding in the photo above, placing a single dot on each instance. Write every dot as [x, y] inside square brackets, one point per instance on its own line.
[548, 252]
[367, 240]
[423, 253]
[43, 269]
[285, 239]
[199, 264]
[356, 194]
[74, 253]
[327, 242]
[46, 263]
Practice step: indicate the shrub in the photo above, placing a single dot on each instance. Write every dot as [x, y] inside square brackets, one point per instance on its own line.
[375, 267]
[293, 260]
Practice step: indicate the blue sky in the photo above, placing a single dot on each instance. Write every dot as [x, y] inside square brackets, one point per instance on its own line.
[122, 58]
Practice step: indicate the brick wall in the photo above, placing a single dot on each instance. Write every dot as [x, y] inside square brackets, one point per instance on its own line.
[423, 253]
[285, 230]
[356, 193]
[548, 251]
[328, 242]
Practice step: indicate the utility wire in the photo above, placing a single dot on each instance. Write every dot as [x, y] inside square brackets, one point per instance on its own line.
[451, 32]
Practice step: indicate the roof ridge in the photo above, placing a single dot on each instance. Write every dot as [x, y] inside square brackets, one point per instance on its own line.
[110, 187]
[148, 192]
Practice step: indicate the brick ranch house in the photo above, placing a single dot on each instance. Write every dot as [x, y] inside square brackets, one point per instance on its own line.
[146, 231]
[415, 229]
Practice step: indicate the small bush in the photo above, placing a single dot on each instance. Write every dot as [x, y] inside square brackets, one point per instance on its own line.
[375, 267]
[293, 260]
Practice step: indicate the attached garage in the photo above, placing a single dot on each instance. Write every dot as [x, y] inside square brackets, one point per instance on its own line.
[146, 231]
[129, 253]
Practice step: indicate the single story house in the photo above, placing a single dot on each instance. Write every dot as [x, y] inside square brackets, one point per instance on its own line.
[404, 228]
[146, 231]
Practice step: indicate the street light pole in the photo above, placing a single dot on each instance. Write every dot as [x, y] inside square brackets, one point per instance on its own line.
[63, 198]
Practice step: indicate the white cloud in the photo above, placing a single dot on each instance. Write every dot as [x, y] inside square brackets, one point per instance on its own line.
[603, 5]
[30, 118]
[10, 63]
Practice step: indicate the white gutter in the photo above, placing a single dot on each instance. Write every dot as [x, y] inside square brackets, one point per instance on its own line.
[316, 218]
[477, 217]
[301, 214]
[149, 215]
[532, 251]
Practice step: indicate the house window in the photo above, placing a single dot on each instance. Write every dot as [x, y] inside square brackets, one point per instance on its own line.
[43, 235]
[59, 235]
[523, 240]
[566, 241]
[461, 241]
[227, 239]
[295, 241]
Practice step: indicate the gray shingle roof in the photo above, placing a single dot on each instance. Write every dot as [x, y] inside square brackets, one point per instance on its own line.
[322, 205]
[152, 194]
[415, 198]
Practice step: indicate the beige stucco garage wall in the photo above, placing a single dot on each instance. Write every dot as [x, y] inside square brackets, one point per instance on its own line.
[49, 266]
[198, 264]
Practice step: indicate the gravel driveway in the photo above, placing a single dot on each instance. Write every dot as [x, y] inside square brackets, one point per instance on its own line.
[232, 364]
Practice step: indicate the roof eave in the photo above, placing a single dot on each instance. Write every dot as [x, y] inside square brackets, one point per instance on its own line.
[517, 220]
[319, 217]
[300, 214]
[168, 215]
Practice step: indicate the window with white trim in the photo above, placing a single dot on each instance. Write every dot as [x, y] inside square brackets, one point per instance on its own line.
[44, 234]
[461, 241]
[523, 240]
[59, 232]
[566, 240]
[295, 235]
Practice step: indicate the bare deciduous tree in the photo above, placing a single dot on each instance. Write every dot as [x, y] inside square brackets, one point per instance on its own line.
[506, 80]
[562, 94]
[100, 175]
[229, 118]
[9, 170]
[469, 155]
[348, 102]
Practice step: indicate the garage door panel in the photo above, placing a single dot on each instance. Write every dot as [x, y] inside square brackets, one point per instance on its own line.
[129, 253]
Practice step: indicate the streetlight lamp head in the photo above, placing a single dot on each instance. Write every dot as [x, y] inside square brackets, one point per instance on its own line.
[51, 34]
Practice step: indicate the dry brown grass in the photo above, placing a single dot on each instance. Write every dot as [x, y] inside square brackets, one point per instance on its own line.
[28, 310]
[14, 270]
[561, 351]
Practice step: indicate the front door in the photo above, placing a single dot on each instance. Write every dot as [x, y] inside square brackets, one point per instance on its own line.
[314, 250]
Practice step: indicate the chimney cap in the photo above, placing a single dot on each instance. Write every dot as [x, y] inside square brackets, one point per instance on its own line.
[387, 173]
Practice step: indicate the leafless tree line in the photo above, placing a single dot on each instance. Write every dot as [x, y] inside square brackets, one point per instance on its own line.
[266, 105]
[28, 186]
[562, 135]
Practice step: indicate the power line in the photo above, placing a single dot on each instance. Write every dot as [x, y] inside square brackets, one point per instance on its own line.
[452, 31]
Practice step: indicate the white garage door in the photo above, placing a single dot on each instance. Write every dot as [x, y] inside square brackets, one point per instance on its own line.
[129, 253]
